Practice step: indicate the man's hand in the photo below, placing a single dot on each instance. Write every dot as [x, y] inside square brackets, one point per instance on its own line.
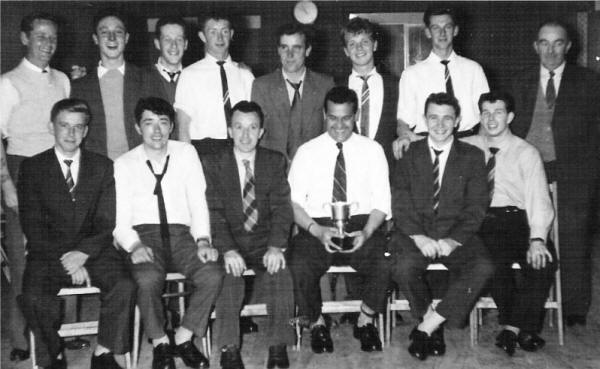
[206, 253]
[399, 146]
[537, 254]
[10, 195]
[428, 247]
[73, 260]
[274, 260]
[234, 263]
[81, 276]
[141, 254]
[360, 237]
[324, 235]
[447, 246]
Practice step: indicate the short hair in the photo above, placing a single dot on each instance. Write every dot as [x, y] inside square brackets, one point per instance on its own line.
[357, 26]
[497, 95]
[442, 98]
[71, 106]
[295, 28]
[109, 12]
[216, 17]
[439, 10]
[28, 20]
[245, 106]
[553, 23]
[341, 95]
[156, 105]
[170, 20]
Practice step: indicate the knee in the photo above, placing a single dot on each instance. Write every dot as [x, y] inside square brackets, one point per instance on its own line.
[483, 267]
[406, 268]
[150, 281]
[210, 275]
[125, 288]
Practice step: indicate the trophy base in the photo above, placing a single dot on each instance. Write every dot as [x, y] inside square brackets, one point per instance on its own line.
[345, 243]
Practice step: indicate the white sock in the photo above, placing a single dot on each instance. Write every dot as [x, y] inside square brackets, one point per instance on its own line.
[158, 341]
[183, 335]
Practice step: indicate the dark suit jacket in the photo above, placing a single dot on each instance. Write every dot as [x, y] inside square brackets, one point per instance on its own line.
[224, 197]
[463, 195]
[88, 89]
[270, 92]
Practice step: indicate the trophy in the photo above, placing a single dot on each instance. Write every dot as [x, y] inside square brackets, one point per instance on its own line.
[340, 214]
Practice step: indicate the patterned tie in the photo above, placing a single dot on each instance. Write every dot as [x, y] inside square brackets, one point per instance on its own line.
[69, 176]
[249, 199]
[550, 91]
[297, 97]
[436, 180]
[172, 75]
[447, 78]
[364, 107]
[226, 99]
[295, 127]
[339, 177]
[490, 167]
[162, 211]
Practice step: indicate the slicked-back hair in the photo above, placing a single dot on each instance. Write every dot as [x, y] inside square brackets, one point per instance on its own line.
[156, 105]
[341, 95]
[71, 106]
[442, 98]
[553, 23]
[438, 10]
[170, 20]
[357, 26]
[110, 12]
[28, 20]
[497, 95]
[245, 106]
[293, 29]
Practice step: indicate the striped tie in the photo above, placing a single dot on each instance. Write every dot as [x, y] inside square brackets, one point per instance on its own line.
[249, 199]
[364, 107]
[225, 88]
[491, 166]
[339, 177]
[447, 78]
[550, 91]
[436, 180]
[69, 176]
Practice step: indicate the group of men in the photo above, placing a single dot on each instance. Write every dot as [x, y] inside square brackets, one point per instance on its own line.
[247, 183]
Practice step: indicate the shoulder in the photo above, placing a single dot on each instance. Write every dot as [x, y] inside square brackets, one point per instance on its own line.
[268, 79]
[319, 77]
[468, 63]
[97, 158]
[40, 160]
[468, 150]
[269, 155]
[88, 79]
[129, 158]
[475, 140]
[60, 76]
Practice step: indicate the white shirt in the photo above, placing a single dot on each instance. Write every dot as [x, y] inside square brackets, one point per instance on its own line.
[163, 71]
[199, 94]
[443, 157]
[183, 190]
[367, 182]
[290, 90]
[239, 158]
[375, 83]
[545, 77]
[102, 70]
[424, 78]
[35, 68]
[74, 165]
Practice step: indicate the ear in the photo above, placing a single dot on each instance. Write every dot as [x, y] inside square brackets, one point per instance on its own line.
[307, 52]
[261, 132]
[126, 38]
[202, 36]
[455, 32]
[568, 47]
[457, 121]
[85, 132]
[171, 128]
[157, 44]
[138, 129]
[230, 132]
[510, 117]
[24, 39]
[535, 47]
[185, 44]
[427, 32]
[374, 45]
[95, 38]
[231, 34]
[346, 51]
[51, 128]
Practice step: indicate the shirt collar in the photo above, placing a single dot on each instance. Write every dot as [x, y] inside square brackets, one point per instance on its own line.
[34, 67]
[503, 144]
[212, 59]
[240, 156]
[444, 147]
[433, 57]
[372, 72]
[103, 70]
[348, 141]
[545, 73]
[287, 77]
[161, 67]
[61, 158]
[156, 165]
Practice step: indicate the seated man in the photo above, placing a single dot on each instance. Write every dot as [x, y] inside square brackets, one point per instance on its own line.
[67, 209]
[340, 166]
[251, 219]
[439, 201]
[159, 180]
[516, 225]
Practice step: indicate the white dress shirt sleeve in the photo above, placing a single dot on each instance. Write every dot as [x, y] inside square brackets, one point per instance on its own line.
[380, 183]
[124, 233]
[10, 99]
[298, 181]
[195, 191]
[538, 205]
[408, 108]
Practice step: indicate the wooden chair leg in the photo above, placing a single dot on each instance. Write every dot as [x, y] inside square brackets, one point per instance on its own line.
[474, 326]
[32, 350]
[136, 336]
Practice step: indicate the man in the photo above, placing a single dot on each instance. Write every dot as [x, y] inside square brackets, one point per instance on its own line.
[378, 89]
[251, 221]
[560, 116]
[340, 166]
[112, 89]
[209, 88]
[443, 70]
[439, 200]
[162, 221]
[516, 226]
[291, 96]
[67, 209]
[28, 93]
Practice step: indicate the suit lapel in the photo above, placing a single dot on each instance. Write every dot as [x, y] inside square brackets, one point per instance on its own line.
[424, 167]
[451, 175]
[232, 187]
[309, 92]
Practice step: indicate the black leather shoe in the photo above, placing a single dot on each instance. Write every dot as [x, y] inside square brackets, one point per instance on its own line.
[320, 339]
[247, 325]
[104, 361]
[19, 355]
[231, 358]
[437, 346]
[58, 364]
[77, 344]
[419, 346]
[571, 320]
[163, 357]
[278, 357]
[529, 341]
[191, 356]
[507, 341]
[369, 337]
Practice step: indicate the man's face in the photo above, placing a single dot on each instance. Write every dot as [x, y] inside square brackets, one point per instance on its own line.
[340, 120]
[171, 44]
[111, 37]
[245, 131]
[494, 118]
[441, 120]
[69, 129]
[552, 45]
[40, 42]
[155, 130]
[217, 35]
[441, 31]
[360, 48]
[293, 52]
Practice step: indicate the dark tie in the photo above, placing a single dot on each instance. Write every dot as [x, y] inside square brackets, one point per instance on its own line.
[364, 107]
[295, 126]
[436, 180]
[226, 99]
[550, 91]
[69, 176]
[172, 75]
[249, 199]
[447, 78]
[339, 176]
[162, 211]
[296, 87]
[491, 168]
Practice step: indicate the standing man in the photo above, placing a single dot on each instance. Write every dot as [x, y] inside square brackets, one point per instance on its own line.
[291, 96]
[209, 88]
[112, 89]
[559, 114]
[251, 221]
[28, 93]
[439, 199]
[340, 166]
[442, 71]
[67, 209]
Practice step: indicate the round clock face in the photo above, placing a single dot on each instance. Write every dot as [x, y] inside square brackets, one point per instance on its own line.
[305, 12]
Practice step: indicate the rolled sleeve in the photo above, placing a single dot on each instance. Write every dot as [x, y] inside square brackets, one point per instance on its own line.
[124, 233]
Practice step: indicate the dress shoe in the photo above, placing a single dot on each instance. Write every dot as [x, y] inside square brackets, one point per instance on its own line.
[104, 361]
[231, 358]
[368, 336]
[530, 341]
[163, 357]
[247, 325]
[77, 344]
[19, 355]
[571, 320]
[278, 357]
[350, 318]
[437, 346]
[320, 339]
[419, 346]
[190, 355]
[507, 341]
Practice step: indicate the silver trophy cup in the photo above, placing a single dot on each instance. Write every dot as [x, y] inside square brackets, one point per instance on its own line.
[340, 214]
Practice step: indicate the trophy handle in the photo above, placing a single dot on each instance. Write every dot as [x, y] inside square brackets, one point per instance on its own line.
[355, 205]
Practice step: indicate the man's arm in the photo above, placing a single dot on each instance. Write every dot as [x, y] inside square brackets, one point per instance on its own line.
[183, 122]
[9, 190]
[282, 214]
[406, 216]
[126, 237]
[10, 99]
[30, 208]
[322, 233]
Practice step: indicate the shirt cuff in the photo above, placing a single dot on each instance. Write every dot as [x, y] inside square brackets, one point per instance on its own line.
[127, 239]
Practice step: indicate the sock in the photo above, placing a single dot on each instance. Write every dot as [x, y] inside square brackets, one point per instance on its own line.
[183, 335]
[158, 341]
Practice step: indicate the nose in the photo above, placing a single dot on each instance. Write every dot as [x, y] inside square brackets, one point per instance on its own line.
[290, 53]
[112, 36]
[156, 128]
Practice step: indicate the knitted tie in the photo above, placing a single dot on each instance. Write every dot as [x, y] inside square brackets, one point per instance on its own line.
[436, 180]
[490, 167]
[162, 211]
[550, 91]
[69, 176]
[172, 75]
[364, 107]
[226, 100]
[339, 176]
[447, 78]
[249, 199]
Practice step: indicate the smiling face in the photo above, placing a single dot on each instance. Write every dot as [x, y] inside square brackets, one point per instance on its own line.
[111, 37]
[155, 130]
[40, 42]
[552, 45]
[69, 129]
[340, 119]
[495, 118]
[360, 48]
[441, 121]
[245, 131]
[217, 35]
[441, 31]
[171, 44]
[293, 52]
